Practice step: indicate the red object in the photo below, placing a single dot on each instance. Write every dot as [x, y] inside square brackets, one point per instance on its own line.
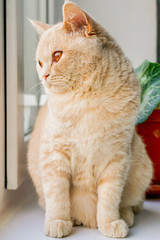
[150, 133]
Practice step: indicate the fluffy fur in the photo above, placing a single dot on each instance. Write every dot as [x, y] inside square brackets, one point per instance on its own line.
[85, 158]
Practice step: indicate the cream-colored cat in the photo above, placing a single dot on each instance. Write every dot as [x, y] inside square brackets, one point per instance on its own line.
[85, 158]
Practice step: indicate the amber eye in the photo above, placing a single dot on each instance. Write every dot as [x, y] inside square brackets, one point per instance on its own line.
[40, 63]
[56, 56]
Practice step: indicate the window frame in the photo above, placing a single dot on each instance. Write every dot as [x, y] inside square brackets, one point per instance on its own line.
[2, 100]
[15, 147]
[16, 143]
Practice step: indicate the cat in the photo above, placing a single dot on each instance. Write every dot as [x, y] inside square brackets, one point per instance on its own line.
[87, 163]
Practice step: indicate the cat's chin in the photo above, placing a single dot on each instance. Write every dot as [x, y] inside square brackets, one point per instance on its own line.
[49, 90]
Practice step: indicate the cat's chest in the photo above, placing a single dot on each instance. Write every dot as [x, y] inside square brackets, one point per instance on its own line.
[83, 125]
[78, 120]
[78, 127]
[84, 132]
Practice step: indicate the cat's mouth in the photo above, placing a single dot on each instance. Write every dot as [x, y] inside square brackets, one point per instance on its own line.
[58, 82]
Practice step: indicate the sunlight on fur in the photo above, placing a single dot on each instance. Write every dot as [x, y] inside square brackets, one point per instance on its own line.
[85, 158]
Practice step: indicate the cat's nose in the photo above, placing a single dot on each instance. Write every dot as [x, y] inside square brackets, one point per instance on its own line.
[45, 76]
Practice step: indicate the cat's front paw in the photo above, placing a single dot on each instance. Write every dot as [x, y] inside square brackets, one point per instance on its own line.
[57, 228]
[114, 229]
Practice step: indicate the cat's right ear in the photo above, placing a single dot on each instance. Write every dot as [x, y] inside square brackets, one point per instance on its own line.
[39, 26]
[76, 20]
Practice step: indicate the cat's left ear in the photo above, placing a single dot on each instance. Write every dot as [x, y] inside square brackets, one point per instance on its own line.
[76, 20]
[39, 26]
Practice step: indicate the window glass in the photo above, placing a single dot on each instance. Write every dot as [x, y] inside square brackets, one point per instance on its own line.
[32, 86]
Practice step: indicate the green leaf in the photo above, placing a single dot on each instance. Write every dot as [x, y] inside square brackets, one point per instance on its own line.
[149, 76]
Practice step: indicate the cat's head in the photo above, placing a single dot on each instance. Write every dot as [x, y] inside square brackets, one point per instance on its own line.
[69, 54]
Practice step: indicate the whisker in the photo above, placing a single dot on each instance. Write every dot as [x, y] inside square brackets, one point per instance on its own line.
[35, 86]
[39, 92]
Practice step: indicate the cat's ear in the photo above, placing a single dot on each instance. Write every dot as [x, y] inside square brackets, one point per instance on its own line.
[39, 26]
[76, 20]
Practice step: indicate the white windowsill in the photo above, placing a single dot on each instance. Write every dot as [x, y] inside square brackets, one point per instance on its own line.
[28, 220]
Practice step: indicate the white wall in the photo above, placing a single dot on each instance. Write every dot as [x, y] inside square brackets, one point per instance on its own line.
[131, 22]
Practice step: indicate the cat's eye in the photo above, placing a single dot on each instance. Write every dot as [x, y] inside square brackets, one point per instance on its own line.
[56, 56]
[40, 63]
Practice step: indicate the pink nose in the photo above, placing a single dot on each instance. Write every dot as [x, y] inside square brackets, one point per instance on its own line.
[45, 76]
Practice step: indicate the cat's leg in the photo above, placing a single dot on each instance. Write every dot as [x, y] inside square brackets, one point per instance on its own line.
[33, 155]
[139, 176]
[126, 213]
[110, 188]
[138, 207]
[55, 171]
[36, 178]
[34, 171]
